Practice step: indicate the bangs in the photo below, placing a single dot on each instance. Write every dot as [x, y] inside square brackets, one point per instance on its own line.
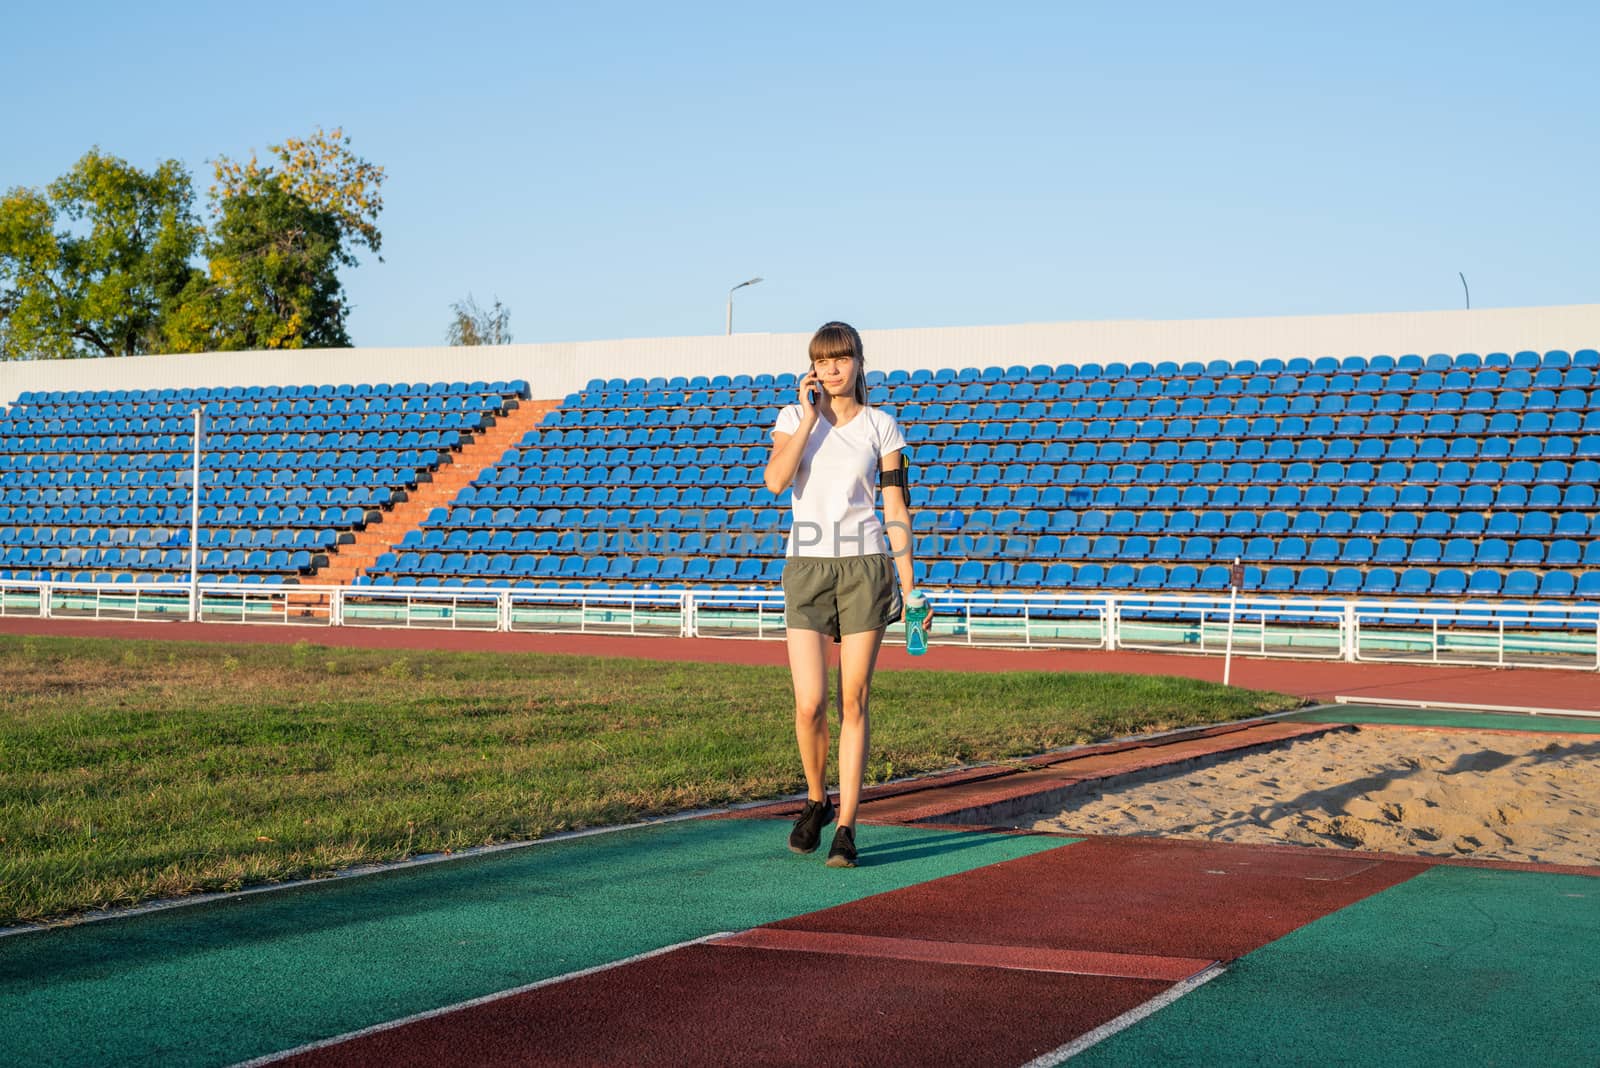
[835, 341]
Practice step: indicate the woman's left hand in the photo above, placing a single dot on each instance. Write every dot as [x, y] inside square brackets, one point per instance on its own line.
[927, 620]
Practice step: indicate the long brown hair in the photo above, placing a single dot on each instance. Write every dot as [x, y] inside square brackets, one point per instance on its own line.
[836, 340]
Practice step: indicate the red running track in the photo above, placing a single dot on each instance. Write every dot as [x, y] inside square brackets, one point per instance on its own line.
[993, 966]
[1315, 679]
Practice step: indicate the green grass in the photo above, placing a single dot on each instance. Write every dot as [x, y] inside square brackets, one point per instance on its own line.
[131, 770]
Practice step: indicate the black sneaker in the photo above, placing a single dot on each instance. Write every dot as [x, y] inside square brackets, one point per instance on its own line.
[807, 833]
[842, 854]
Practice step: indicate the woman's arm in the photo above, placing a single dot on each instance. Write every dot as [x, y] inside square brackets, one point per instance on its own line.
[897, 523]
[787, 449]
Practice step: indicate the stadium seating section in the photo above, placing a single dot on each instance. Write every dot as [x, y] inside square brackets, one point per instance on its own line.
[1459, 476]
[96, 486]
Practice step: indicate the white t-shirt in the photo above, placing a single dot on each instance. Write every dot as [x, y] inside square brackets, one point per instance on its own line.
[836, 485]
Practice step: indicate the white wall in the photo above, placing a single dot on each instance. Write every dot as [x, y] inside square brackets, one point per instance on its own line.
[555, 370]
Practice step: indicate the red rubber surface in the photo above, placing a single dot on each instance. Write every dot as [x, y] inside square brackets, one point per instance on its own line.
[726, 1006]
[1156, 896]
[866, 1001]
[1318, 679]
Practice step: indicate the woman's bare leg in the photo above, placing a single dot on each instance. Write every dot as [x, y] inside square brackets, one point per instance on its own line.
[858, 657]
[808, 664]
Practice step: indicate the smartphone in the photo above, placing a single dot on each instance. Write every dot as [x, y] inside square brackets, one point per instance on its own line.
[811, 392]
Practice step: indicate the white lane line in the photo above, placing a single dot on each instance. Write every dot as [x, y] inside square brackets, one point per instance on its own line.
[1457, 706]
[1125, 1021]
[389, 1025]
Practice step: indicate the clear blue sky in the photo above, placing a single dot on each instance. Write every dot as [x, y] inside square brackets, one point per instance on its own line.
[609, 170]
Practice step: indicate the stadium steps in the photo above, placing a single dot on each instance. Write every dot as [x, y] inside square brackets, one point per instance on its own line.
[349, 562]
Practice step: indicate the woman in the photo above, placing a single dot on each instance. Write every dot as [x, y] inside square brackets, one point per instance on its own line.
[840, 580]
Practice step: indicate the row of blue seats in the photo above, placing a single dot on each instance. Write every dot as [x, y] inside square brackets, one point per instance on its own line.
[1490, 552]
[517, 388]
[44, 437]
[174, 579]
[517, 482]
[259, 415]
[177, 534]
[1427, 448]
[1265, 473]
[987, 410]
[1247, 421]
[1254, 448]
[1338, 523]
[1485, 391]
[405, 459]
[434, 432]
[297, 496]
[165, 560]
[173, 537]
[1050, 445]
[1440, 362]
[113, 516]
[280, 560]
[160, 559]
[1531, 424]
[1001, 574]
[79, 456]
[1510, 497]
[148, 478]
[245, 411]
[759, 540]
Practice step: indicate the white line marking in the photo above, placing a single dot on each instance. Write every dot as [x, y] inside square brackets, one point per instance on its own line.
[1453, 706]
[1125, 1021]
[390, 1025]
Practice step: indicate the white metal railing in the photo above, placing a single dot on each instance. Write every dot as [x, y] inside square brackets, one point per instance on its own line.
[1504, 635]
[1262, 626]
[1440, 632]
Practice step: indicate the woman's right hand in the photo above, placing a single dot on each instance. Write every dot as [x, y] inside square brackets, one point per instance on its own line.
[809, 386]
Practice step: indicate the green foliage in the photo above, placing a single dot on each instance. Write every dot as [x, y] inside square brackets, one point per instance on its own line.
[102, 263]
[93, 265]
[272, 282]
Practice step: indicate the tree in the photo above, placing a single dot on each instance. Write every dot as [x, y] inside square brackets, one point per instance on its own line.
[473, 325]
[282, 231]
[321, 171]
[93, 265]
[272, 281]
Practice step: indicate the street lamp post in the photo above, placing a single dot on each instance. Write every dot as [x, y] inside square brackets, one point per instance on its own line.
[741, 285]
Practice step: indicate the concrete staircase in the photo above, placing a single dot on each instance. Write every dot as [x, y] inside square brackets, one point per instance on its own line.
[380, 536]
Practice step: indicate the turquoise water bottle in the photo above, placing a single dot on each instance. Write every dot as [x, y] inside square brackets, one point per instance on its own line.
[917, 611]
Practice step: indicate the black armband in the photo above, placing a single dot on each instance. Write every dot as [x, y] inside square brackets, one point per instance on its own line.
[901, 476]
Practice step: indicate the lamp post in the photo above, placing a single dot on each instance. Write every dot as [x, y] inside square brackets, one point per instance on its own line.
[741, 285]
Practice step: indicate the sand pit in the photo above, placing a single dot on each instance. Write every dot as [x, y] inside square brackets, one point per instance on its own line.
[1424, 792]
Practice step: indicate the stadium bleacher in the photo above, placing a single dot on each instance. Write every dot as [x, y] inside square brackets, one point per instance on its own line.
[95, 486]
[1460, 476]
[1439, 476]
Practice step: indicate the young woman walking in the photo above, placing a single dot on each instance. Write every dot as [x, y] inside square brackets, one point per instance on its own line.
[840, 579]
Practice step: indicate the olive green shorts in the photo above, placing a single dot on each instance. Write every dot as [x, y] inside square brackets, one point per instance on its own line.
[840, 594]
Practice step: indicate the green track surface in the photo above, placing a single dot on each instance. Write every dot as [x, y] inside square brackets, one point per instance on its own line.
[238, 978]
[1430, 717]
[1458, 966]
